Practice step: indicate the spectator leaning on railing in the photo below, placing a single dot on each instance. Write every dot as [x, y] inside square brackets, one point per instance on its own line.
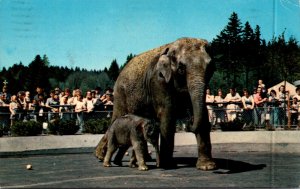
[209, 99]
[220, 111]
[233, 98]
[283, 98]
[248, 106]
[22, 104]
[14, 108]
[260, 105]
[65, 109]
[90, 106]
[80, 107]
[2, 101]
[273, 111]
[52, 104]
[294, 111]
[6, 96]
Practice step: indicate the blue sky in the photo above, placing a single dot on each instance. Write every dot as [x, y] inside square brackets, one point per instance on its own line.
[91, 33]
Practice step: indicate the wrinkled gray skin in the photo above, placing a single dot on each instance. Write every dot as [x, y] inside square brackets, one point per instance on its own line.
[135, 131]
[144, 90]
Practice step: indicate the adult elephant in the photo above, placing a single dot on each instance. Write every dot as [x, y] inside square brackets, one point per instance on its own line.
[144, 88]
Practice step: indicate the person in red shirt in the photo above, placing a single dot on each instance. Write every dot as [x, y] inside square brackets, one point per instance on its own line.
[260, 107]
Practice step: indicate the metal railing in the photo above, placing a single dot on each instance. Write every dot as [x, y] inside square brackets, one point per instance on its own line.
[268, 116]
[46, 114]
[259, 117]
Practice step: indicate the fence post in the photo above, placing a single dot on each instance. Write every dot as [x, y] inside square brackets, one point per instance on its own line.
[289, 111]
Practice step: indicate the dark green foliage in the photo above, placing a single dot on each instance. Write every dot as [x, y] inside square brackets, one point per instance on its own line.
[96, 126]
[113, 71]
[235, 125]
[63, 127]
[38, 73]
[28, 128]
[242, 57]
[4, 124]
[129, 57]
[1, 131]
[53, 127]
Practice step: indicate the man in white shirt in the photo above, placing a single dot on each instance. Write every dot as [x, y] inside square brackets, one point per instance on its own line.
[233, 98]
[209, 99]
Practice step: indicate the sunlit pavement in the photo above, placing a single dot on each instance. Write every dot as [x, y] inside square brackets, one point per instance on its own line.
[237, 167]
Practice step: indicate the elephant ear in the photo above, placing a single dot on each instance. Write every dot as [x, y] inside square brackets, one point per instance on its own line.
[163, 68]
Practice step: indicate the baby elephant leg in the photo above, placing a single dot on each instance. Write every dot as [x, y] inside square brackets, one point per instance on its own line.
[157, 155]
[138, 147]
[111, 148]
[120, 154]
[101, 148]
[133, 160]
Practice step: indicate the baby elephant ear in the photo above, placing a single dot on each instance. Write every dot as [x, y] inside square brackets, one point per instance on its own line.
[164, 68]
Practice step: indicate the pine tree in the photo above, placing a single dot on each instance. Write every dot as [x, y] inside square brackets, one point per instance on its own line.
[247, 51]
[113, 71]
[38, 74]
[227, 45]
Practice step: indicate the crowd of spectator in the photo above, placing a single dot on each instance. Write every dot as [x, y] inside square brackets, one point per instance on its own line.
[256, 108]
[57, 104]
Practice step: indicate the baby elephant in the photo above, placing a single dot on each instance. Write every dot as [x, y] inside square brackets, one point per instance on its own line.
[135, 131]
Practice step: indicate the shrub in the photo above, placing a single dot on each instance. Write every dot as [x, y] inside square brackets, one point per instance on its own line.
[53, 127]
[235, 125]
[1, 131]
[28, 128]
[63, 127]
[96, 126]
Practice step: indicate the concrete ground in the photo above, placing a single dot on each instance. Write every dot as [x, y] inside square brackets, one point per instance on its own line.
[245, 159]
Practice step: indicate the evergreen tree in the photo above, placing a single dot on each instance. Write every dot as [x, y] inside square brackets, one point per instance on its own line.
[128, 58]
[38, 75]
[113, 71]
[46, 60]
[227, 45]
[247, 51]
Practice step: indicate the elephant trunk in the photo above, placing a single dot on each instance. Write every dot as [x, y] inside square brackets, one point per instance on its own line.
[197, 93]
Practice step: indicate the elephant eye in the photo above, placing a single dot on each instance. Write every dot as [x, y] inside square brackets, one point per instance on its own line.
[181, 68]
[161, 75]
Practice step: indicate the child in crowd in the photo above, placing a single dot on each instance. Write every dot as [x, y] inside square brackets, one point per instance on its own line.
[13, 108]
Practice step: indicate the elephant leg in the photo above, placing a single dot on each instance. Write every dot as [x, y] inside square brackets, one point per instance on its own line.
[101, 148]
[205, 161]
[133, 161]
[120, 154]
[157, 156]
[110, 151]
[167, 134]
[139, 149]
[147, 156]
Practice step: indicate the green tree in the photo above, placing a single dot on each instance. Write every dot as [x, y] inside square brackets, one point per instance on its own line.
[247, 50]
[38, 74]
[46, 60]
[86, 80]
[113, 71]
[128, 58]
[227, 46]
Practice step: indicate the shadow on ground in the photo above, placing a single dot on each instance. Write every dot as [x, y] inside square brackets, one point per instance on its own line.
[224, 166]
